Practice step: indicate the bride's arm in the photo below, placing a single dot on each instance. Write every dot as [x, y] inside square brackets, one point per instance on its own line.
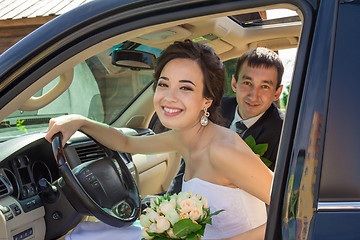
[244, 169]
[109, 136]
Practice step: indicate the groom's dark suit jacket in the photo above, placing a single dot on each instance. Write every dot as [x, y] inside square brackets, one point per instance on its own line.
[265, 130]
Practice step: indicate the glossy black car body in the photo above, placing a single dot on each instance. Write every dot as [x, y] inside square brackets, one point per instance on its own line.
[315, 192]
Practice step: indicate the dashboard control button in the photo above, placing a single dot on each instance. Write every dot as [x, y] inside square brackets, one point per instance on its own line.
[9, 216]
[25, 192]
[57, 215]
[4, 209]
[16, 209]
[23, 234]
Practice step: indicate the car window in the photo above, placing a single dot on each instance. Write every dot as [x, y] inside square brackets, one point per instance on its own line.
[99, 91]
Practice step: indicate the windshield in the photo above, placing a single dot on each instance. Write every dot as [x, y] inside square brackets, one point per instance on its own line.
[99, 90]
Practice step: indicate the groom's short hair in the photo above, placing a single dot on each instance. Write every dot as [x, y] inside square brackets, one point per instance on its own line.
[261, 57]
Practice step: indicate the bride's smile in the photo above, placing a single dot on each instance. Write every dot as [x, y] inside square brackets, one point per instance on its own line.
[171, 111]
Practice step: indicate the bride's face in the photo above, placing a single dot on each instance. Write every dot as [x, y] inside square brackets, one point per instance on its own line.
[178, 98]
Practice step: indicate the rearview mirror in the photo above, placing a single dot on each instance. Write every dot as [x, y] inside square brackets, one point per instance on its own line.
[135, 60]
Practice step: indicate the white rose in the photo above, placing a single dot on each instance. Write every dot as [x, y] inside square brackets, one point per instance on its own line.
[162, 224]
[174, 196]
[198, 203]
[165, 207]
[153, 228]
[205, 202]
[195, 213]
[179, 200]
[173, 202]
[186, 205]
[185, 194]
[172, 216]
[184, 215]
[181, 196]
[145, 221]
[191, 194]
[154, 202]
[145, 235]
[152, 214]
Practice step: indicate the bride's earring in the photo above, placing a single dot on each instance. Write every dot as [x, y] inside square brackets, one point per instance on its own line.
[204, 121]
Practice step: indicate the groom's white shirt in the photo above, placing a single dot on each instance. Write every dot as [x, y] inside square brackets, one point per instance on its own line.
[248, 122]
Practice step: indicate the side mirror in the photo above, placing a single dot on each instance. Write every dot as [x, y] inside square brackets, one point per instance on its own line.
[135, 60]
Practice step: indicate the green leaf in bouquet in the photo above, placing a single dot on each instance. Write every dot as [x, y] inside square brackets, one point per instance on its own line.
[260, 149]
[185, 227]
[206, 214]
[266, 161]
[201, 231]
[216, 213]
[151, 234]
[158, 238]
[196, 235]
[167, 197]
[250, 141]
[193, 236]
[207, 221]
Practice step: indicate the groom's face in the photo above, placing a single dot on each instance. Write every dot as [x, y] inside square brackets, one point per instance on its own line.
[255, 90]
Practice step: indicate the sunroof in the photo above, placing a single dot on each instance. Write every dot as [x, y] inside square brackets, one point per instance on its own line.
[268, 17]
[280, 13]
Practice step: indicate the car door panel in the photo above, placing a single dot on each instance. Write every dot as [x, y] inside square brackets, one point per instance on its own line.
[302, 181]
[336, 225]
[338, 214]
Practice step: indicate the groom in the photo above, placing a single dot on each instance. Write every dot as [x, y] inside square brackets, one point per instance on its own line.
[257, 85]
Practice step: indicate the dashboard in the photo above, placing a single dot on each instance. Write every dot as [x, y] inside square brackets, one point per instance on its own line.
[27, 170]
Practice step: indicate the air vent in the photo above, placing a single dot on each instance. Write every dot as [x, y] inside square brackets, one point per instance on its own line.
[4, 187]
[90, 152]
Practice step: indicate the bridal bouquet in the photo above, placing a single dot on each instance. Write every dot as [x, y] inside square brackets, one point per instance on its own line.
[179, 216]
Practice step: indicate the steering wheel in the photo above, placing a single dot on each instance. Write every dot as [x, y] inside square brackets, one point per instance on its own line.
[103, 188]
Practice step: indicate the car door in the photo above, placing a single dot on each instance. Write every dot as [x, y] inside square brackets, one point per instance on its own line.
[321, 195]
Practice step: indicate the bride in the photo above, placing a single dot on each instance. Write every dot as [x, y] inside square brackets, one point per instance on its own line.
[189, 84]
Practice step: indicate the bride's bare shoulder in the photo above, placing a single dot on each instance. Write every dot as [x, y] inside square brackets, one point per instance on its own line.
[228, 145]
[227, 139]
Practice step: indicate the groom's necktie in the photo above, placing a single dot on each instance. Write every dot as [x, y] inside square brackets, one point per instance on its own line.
[240, 127]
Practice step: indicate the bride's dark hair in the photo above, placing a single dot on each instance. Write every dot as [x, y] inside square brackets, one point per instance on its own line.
[211, 66]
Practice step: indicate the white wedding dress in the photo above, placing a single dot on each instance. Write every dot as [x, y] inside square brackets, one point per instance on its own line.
[242, 212]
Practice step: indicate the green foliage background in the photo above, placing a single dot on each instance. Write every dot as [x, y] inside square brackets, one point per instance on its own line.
[230, 70]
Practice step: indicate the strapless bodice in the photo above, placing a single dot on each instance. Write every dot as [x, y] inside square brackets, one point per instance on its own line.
[242, 211]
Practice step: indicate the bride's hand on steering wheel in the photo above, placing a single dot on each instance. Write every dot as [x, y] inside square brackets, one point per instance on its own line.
[67, 125]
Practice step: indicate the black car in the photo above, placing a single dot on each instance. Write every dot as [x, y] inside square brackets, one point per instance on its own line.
[79, 63]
